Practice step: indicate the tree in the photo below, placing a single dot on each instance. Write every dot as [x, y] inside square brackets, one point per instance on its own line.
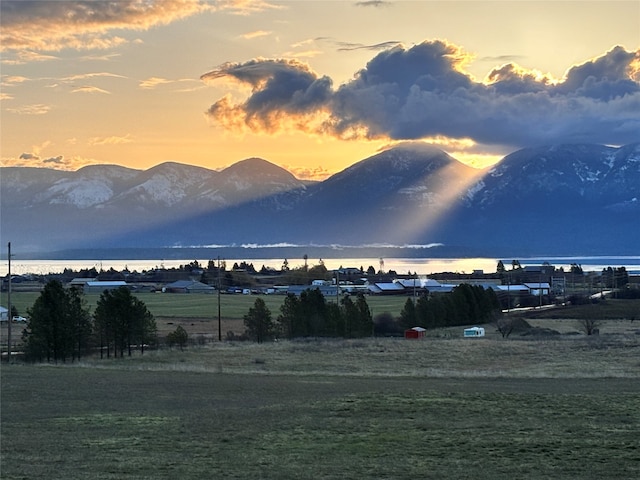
[122, 320]
[178, 337]
[500, 268]
[257, 322]
[364, 320]
[408, 317]
[59, 327]
[505, 326]
[289, 315]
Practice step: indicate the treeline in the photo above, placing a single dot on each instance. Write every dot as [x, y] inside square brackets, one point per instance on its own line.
[310, 315]
[60, 327]
[466, 304]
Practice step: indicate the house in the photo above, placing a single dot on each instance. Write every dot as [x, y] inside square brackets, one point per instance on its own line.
[4, 314]
[473, 332]
[188, 286]
[415, 332]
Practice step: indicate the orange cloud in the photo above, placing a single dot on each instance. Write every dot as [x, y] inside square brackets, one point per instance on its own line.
[113, 140]
[36, 109]
[52, 26]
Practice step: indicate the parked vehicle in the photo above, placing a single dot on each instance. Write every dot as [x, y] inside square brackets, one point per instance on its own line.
[19, 318]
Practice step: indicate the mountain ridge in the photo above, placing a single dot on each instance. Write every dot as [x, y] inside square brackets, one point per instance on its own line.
[563, 197]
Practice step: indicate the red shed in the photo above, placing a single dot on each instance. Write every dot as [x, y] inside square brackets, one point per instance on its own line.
[415, 332]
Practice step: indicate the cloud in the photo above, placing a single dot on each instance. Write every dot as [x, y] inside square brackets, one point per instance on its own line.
[153, 82]
[13, 79]
[309, 173]
[112, 140]
[282, 89]
[84, 25]
[59, 160]
[423, 91]
[373, 3]
[26, 56]
[346, 46]
[35, 109]
[256, 34]
[84, 76]
[246, 7]
[90, 89]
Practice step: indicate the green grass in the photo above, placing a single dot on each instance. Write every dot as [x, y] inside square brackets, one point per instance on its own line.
[233, 307]
[127, 421]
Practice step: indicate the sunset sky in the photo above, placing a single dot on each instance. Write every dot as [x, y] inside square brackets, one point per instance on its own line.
[312, 86]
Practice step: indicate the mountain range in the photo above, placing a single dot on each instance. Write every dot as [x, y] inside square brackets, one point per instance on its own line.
[553, 200]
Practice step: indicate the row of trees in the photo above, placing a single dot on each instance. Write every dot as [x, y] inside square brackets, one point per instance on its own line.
[310, 315]
[464, 305]
[61, 327]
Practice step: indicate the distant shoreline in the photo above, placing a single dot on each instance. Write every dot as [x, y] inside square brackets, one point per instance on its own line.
[249, 252]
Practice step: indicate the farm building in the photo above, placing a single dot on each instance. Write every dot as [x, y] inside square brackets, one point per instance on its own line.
[326, 290]
[188, 286]
[4, 314]
[474, 332]
[391, 288]
[99, 287]
[415, 332]
[538, 288]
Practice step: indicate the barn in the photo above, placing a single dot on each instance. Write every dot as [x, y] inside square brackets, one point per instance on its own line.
[188, 286]
[414, 333]
[100, 286]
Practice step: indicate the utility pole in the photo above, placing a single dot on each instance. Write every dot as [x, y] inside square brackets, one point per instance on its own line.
[219, 316]
[9, 318]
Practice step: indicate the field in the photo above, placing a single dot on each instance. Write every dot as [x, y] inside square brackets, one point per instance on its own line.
[564, 408]
[198, 314]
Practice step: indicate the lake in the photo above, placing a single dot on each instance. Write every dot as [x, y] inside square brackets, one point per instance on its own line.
[421, 266]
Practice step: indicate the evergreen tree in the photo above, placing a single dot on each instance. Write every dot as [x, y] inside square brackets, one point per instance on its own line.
[408, 318]
[178, 337]
[289, 317]
[258, 323]
[364, 319]
[122, 320]
[58, 327]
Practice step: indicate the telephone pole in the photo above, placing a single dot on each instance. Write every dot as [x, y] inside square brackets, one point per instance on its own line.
[219, 316]
[9, 318]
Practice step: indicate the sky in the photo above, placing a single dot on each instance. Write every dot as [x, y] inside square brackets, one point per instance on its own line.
[312, 86]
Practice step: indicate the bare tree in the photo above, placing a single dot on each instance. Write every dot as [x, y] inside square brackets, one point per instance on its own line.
[589, 325]
[505, 326]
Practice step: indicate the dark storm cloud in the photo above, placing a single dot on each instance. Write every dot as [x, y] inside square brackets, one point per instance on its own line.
[280, 87]
[423, 91]
[29, 156]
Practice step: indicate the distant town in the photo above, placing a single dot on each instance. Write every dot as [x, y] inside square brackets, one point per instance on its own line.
[514, 285]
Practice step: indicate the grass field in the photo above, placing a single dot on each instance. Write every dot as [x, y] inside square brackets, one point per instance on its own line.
[233, 307]
[534, 408]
